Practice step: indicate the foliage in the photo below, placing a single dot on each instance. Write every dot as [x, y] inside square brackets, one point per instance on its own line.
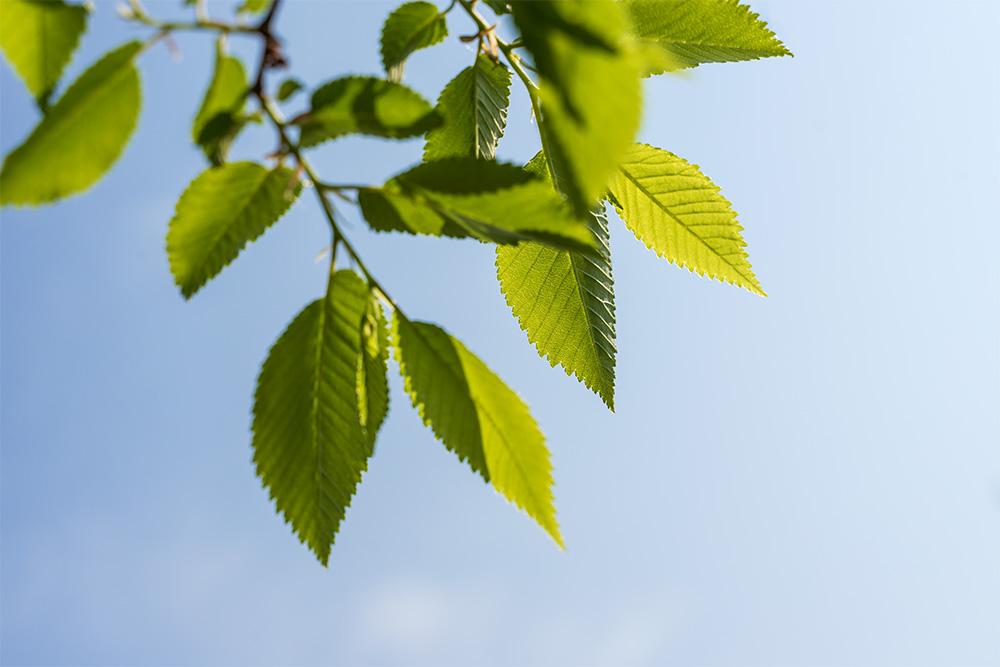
[221, 211]
[80, 137]
[39, 38]
[322, 393]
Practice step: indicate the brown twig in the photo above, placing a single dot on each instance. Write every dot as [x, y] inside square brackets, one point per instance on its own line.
[272, 56]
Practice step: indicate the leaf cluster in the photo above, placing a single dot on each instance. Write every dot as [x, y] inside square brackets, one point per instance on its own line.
[322, 393]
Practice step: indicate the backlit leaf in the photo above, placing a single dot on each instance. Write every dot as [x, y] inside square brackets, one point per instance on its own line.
[565, 302]
[80, 137]
[477, 416]
[373, 386]
[288, 88]
[309, 445]
[412, 26]
[590, 90]
[366, 105]
[487, 200]
[220, 117]
[38, 38]
[692, 32]
[680, 215]
[219, 213]
[474, 108]
[254, 6]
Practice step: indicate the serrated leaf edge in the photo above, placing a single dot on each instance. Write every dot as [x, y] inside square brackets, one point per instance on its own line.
[420, 407]
[748, 274]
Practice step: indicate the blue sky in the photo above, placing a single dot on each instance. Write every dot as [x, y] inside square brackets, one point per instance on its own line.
[809, 479]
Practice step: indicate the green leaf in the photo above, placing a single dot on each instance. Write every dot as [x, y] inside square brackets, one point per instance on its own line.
[590, 90]
[499, 7]
[692, 32]
[80, 137]
[220, 117]
[366, 105]
[288, 88]
[38, 38]
[487, 200]
[254, 6]
[412, 26]
[309, 445]
[565, 302]
[474, 108]
[219, 213]
[373, 386]
[477, 417]
[679, 214]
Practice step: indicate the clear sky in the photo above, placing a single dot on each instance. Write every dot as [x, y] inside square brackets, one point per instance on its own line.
[807, 479]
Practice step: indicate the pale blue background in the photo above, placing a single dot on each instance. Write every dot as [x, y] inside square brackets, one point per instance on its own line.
[810, 479]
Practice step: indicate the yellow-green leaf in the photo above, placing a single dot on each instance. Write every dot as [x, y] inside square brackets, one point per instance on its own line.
[366, 105]
[491, 201]
[565, 301]
[309, 445]
[288, 88]
[219, 118]
[473, 107]
[38, 38]
[590, 90]
[253, 6]
[219, 213]
[80, 137]
[373, 387]
[410, 27]
[477, 416]
[692, 32]
[681, 216]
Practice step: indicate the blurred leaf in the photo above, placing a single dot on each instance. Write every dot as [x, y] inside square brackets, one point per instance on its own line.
[499, 7]
[38, 38]
[220, 117]
[474, 108]
[219, 213]
[565, 302]
[477, 416]
[487, 200]
[80, 137]
[365, 105]
[412, 26]
[254, 6]
[288, 88]
[680, 215]
[589, 90]
[310, 447]
[692, 32]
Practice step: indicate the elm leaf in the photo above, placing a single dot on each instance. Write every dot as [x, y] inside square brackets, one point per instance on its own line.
[221, 211]
[477, 417]
[473, 107]
[38, 38]
[410, 27]
[310, 447]
[80, 137]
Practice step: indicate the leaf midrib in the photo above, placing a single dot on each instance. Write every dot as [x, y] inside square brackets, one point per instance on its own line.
[573, 260]
[777, 51]
[314, 414]
[408, 47]
[482, 410]
[239, 215]
[666, 210]
[57, 126]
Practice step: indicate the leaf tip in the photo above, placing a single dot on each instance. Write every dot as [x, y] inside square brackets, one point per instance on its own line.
[553, 531]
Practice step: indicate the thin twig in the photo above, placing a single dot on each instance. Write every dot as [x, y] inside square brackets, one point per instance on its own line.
[272, 57]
